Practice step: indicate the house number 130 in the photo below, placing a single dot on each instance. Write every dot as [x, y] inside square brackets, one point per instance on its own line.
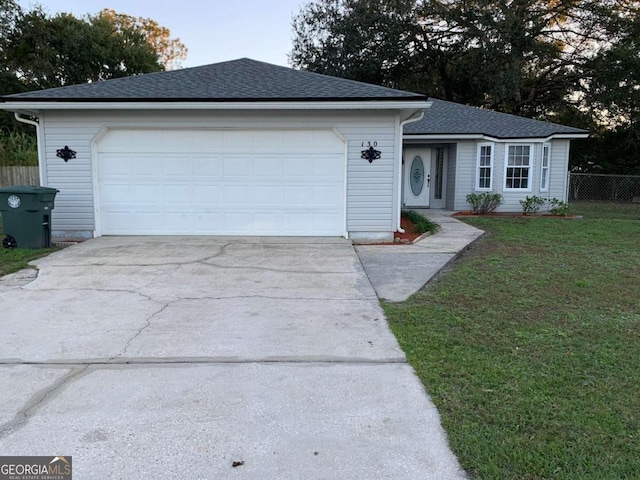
[369, 144]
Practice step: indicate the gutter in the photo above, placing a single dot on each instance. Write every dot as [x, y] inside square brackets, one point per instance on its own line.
[39, 144]
[37, 105]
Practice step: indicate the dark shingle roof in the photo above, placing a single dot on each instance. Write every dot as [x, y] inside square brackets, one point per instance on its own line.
[236, 80]
[452, 118]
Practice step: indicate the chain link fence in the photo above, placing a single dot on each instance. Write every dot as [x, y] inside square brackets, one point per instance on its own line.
[604, 188]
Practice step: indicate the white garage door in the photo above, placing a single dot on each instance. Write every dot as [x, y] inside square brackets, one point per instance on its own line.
[221, 182]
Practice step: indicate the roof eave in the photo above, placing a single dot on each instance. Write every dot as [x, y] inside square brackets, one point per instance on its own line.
[492, 138]
[359, 104]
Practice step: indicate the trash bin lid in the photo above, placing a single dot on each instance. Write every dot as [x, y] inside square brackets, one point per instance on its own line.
[28, 189]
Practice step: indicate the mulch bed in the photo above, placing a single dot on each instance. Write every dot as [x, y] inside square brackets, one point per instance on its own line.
[402, 238]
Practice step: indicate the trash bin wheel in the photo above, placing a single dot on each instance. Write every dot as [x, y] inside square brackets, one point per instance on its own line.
[9, 242]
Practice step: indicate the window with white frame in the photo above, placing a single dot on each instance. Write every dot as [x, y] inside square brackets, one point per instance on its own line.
[544, 167]
[517, 166]
[484, 166]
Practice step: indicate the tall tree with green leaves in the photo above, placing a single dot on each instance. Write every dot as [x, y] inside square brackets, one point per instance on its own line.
[170, 51]
[519, 56]
[48, 51]
[547, 59]
[39, 50]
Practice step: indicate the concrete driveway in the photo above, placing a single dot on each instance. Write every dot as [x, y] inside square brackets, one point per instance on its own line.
[173, 357]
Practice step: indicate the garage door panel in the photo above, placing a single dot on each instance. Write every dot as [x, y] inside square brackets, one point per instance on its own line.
[230, 182]
[209, 223]
[326, 195]
[177, 222]
[268, 195]
[322, 220]
[240, 222]
[114, 165]
[179, 195]
[268, 167]
[237, 140]
[326, 167]
[146, 165]
[237, 167]
[177, 167]
[269, 223]
[146, 193]
[297, 195]
[203, 140]
[241, 195]
[207, 195]
[146, 221]
[208, 168]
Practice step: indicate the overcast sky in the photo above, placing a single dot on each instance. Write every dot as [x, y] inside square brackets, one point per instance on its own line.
[213, 31]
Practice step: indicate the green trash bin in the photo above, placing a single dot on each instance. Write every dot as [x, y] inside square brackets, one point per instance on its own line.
[26, 216]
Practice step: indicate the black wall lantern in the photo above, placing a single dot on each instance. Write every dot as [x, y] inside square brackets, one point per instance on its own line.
[370, 154]
[66, 153]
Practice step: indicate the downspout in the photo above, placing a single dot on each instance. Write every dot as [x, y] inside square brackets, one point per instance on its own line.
[413, 118]
[38, 143]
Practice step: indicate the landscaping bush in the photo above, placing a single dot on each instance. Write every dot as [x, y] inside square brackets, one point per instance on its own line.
[558, 207]
[532, 204]
[484, 202]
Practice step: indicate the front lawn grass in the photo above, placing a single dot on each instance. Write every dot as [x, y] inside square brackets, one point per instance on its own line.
[530, 346]
[14, 259]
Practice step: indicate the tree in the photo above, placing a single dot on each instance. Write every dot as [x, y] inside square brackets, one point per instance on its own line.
[170, 51]
[519, 56]
[43, 51]
[47, 52]
[546, 59]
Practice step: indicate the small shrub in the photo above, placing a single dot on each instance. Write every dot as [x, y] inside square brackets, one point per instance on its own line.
[558, 207]
[532, 204]
[421, 224]
[484, 202]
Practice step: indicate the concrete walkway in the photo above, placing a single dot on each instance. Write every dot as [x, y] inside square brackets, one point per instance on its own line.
[398, 271]
[211, 358]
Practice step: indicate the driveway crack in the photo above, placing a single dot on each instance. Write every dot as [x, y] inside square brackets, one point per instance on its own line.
[146, 325]
[38, 400]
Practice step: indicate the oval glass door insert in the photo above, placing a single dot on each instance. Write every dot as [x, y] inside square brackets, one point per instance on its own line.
[417, 176]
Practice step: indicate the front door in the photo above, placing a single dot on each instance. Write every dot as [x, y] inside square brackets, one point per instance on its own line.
[417, 178]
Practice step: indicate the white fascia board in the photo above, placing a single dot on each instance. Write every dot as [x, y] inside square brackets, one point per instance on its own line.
[435, 136]
[476, 136]
[571, 135]
[333, 105]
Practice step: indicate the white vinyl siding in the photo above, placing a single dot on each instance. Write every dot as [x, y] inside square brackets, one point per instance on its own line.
[544, 167]
[517, 167]
[371, 187]
[558, 169]
[465, 173]
[484, 167]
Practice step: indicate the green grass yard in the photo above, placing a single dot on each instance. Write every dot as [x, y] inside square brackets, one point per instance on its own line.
[530, 346]
[12, 260]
